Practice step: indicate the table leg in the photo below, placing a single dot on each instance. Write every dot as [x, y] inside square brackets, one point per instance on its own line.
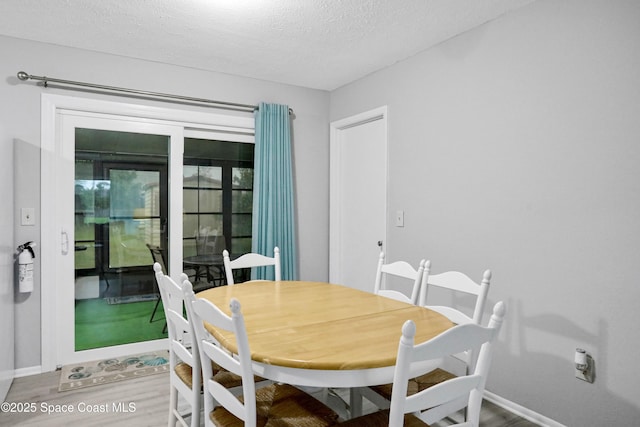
[355, 402]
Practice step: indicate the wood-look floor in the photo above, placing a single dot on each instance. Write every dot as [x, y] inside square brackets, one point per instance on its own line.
[146, 401]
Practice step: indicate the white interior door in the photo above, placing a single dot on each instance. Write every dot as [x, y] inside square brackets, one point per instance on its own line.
[358, 212]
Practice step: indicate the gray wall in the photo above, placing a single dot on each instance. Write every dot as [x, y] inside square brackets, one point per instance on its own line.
[512, 147]
[7, 251]
[516, 147]
[20, 119]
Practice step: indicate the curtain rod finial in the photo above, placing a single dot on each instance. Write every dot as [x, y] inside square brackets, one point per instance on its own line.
[23, 76]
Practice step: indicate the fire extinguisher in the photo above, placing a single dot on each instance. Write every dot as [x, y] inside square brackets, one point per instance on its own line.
[25, 266]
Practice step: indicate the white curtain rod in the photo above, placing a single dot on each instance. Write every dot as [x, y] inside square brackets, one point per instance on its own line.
[215, 104]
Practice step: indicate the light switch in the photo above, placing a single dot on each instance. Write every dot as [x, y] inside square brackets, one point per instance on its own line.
[27, 216]
[399, 218]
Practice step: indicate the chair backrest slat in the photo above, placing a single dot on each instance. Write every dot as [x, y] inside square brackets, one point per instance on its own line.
[457, 282]
[403, 270]
[251, 260]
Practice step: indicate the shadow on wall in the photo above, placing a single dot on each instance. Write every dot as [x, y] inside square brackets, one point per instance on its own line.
[577, 402]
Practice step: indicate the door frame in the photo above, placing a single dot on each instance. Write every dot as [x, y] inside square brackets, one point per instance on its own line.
[231, 127]
[335, 182]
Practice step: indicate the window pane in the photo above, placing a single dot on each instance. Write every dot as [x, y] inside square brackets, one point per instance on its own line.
[84, 169]
[127, 240]
[218, 150]
[210, 200]
[210, 177]
[242, 202]
[149, 231]
[189, 248]
[135, 193]
[190, 176]
[241, 245]
[85, 256]
[242, 178]
[212, 222]
[189, 225]
[241, 225]
[190, 201]
[85, 230]
[91, 195]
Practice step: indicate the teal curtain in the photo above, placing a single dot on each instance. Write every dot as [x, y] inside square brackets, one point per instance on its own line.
[273, 202]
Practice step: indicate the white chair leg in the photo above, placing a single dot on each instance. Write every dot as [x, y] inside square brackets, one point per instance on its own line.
[173, 406]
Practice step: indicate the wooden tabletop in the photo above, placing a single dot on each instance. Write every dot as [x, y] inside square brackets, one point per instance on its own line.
[315, 325]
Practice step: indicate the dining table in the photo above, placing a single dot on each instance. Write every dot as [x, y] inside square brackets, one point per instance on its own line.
[319, 334]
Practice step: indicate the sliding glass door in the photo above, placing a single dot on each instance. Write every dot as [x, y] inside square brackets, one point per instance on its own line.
[113, 180]
[117, 184]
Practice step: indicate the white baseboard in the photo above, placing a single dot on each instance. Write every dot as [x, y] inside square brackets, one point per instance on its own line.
[521, 411]
[25, 372]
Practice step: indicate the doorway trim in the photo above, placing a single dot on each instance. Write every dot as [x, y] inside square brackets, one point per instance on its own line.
[335, 182]
[242, 128]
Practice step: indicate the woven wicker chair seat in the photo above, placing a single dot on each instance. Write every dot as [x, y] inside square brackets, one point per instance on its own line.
[417, 384]
[224, 377]
[281, 405]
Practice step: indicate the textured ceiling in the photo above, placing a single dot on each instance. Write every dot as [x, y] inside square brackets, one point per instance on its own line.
[321, 44]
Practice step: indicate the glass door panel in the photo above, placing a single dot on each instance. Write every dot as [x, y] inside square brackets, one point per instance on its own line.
[121, 205]
[218, 193]
[241, 208]
[217, 204]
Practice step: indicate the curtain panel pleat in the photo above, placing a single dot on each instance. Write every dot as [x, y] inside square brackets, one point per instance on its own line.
[273, 193]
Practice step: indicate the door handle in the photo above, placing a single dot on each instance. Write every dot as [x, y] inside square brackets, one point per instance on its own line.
[64, 242]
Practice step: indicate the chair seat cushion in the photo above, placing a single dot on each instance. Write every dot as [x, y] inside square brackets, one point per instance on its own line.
[381, 419]
[281, 405]
[224, 377]
[184, 372]
[417, 384]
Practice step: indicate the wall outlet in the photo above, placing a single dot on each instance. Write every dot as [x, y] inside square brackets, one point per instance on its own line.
[588, 374]
[399, 218]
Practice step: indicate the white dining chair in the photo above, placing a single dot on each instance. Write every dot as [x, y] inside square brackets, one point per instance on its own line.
[251, 260]
[461, 363]
[399, 269]
[385, 274]
[276, 404]
[421, 408]
[460, 283]
[184, 359]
